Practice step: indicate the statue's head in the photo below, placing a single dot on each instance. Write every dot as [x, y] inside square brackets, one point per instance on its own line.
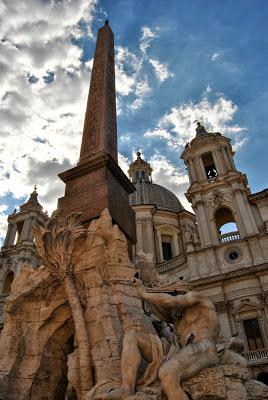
[144, 265]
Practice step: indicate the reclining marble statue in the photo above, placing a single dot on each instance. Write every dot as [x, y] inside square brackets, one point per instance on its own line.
[196, 328]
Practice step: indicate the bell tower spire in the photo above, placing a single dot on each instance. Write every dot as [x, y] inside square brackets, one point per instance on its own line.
[100, 130]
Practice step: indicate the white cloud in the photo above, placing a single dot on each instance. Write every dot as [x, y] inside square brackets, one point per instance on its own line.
[132, 78]
[169, 176]
[161, 70]
[215, 56]
[123, 163]
[3, 221]
[177, 126]
[147, 36]
[41, 121]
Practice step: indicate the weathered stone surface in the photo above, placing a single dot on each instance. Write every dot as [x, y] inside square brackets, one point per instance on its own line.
[86, 272]
[84, 292]
[256, 390]
[209, 384]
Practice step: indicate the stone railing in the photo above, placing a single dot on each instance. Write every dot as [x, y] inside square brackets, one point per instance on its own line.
[173, 263]
[228, 237]
[257, 356]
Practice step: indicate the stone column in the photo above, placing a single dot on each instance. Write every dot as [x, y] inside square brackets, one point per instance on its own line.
[192, 169]
[160, 245]
[221, 161]
[202, 223]
[198, 169]
[212, 262]
[189, 172]
[7, 235]
[226, 159]
[25, 230]
[139, 245]
[246, 218]
[30, 234]
[263, 329]
[217, 162]
[231, 159]
[191, 261]
[256, 250]
[150, 235]
[12, 234]
[202, 169]
[224, 320]
[175, 245]
[250, 213]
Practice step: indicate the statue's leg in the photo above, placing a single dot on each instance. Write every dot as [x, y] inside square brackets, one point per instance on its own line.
[187, 363]
[170, 379]
[135, 345]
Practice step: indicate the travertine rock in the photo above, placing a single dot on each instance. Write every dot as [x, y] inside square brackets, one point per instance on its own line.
[256, 390]
[208, 384]
[85, 273]
[86, 281]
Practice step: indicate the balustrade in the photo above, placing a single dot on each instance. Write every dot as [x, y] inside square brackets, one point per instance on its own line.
[260, 355]
[168, 265]
[228, 237]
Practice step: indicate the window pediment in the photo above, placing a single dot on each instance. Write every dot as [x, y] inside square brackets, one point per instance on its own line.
[166, 229]
[247, 307]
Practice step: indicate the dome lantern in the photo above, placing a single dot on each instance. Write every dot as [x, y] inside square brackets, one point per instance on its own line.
[140, 170]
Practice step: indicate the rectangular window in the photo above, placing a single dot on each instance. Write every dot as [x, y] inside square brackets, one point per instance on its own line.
[167, 252]
[253, 334]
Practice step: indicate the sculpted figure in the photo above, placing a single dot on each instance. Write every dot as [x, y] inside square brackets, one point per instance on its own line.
[200, 130]
[196, 329]
[232, 353]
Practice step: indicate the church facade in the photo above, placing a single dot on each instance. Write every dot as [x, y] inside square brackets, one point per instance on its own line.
[229, 266]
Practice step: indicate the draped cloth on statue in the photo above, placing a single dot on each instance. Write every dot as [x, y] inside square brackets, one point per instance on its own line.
[162, 351]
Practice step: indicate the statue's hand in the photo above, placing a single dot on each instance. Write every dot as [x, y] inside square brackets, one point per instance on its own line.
[140, 288]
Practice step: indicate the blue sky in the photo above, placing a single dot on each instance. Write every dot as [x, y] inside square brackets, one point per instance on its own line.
[176, 61]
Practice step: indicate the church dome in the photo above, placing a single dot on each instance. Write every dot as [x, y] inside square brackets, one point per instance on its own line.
[148, 192]
[151, 193]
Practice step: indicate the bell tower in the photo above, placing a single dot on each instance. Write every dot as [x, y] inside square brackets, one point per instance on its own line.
[19, 241]
[218, 192]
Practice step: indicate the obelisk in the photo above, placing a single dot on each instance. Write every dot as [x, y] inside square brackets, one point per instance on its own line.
[97, 182]
[100, 129]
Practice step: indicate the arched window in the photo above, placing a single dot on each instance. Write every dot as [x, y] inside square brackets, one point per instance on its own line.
[19, 232]
[263, 377]
[226, 225]
[7, 284]
[209, 165]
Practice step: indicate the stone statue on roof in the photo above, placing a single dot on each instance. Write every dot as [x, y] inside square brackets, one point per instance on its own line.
[200, 130]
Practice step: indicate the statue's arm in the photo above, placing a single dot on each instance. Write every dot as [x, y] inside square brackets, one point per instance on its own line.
[166, 300]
